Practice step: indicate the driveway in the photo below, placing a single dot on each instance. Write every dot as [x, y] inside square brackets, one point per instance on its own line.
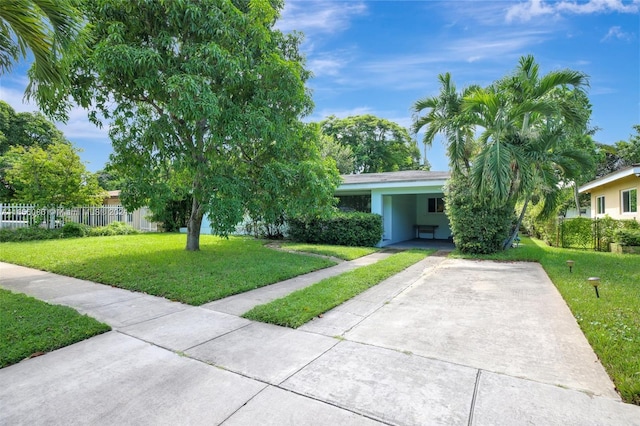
[444, 342]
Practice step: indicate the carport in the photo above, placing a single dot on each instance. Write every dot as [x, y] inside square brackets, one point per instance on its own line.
[411, 203]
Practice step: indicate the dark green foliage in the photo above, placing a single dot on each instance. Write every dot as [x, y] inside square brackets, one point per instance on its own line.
[31, 233]
[343, 229]
[173, 214]
[30, 326]
[204, 99]
[69, 230]
[477, 226]
[628, 237]
[73, 229]
[378, 145]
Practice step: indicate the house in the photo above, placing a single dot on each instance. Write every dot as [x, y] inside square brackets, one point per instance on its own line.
[615, 194]
[411, 203]
[113, 199]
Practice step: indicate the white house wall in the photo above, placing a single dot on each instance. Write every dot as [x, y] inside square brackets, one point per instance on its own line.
[425, 218]
[409, 209]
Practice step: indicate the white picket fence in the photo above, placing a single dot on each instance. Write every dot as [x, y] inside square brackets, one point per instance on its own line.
[21, 215]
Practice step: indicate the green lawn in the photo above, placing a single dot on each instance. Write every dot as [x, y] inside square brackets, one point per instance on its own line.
[157, 264]
[611, 323]
[301, 306]
[341, 252]
[30, 327]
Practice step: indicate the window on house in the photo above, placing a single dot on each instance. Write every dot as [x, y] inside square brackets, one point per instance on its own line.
[435, 205]
[629, 200]
[600, 205]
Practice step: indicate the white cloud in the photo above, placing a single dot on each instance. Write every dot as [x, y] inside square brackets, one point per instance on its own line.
[536, 8]
[599, 6]
[329, 63]
[77, 127]
[531, 9]
[319, 16]
[617, 33]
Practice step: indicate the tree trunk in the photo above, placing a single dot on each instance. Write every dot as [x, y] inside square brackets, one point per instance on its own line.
[509, 241]
[576, 197]
[193, 226]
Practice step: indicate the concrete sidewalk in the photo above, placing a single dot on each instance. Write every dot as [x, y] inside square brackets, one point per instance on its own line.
[444, 342]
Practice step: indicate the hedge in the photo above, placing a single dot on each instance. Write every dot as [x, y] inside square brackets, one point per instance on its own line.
[343, 229]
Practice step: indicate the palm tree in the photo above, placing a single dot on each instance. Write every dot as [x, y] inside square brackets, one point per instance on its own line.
[445, 116]
[46, 28]
[523, 146]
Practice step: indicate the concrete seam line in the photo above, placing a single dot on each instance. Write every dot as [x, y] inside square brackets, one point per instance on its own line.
[217, 337]
[473, 399]
[245, 403]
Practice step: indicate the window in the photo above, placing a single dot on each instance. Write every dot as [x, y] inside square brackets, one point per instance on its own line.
[600, 205]
[435, 205]
[629, 199]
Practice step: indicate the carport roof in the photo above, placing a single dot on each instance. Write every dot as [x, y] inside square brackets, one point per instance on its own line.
[388, 177]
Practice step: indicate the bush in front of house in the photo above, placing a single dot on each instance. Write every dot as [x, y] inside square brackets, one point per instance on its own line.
[75, 230]
[114, 228]
[628, 237]
[69, 230]
[30, 233]
[477, 227]
[341, 229]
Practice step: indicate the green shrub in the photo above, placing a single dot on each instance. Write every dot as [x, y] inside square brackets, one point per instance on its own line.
[606, 228]
[114, 228]
[576, 233]
[73, 229]
[627, 237]
[343, 229]
[30, 233]
[478, 227]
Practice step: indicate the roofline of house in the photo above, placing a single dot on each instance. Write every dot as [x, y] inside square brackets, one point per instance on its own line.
[612, 177]
[388, 185]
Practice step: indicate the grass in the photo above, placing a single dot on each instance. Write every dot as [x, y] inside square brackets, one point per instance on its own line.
[341, 252]
[610, 323]
[157, 264]
[301, 306]
[31, 327]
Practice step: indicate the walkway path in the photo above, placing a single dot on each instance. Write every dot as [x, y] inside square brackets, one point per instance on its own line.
[445, 342]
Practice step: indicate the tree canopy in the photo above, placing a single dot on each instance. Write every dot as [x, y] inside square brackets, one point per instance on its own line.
[51, 177]
[24, 129]
[530, 140]
[620, 154]
[378, 145]
[205, 99]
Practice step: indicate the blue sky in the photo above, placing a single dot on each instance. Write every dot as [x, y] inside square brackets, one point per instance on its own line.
[379, 57]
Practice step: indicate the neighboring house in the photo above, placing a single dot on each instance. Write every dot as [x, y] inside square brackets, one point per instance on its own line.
[113, 199]
[615, 194]
[411, 203]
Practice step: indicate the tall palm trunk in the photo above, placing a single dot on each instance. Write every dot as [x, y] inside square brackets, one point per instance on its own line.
[514, 233]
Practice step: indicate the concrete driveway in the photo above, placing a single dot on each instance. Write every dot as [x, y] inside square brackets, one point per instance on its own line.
[445, 342]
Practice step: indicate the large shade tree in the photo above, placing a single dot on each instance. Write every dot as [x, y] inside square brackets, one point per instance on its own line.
[378, 145]
[204, 98]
